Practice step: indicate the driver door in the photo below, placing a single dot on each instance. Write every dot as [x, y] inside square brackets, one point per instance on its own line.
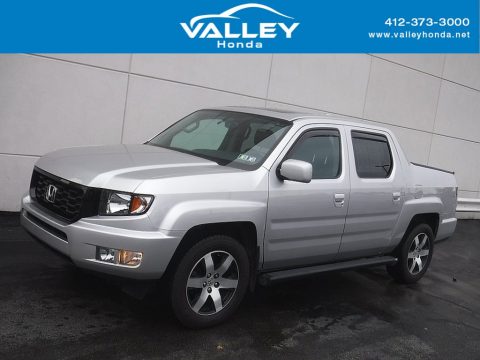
[305, 221]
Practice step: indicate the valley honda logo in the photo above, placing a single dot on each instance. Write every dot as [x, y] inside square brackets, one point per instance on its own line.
[230, 32]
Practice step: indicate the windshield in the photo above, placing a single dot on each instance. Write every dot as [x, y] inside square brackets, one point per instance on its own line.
[226, 137]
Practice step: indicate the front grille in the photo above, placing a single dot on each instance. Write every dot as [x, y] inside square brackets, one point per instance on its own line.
[70, 202]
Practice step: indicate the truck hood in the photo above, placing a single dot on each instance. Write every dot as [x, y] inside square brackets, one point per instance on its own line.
[124, 167]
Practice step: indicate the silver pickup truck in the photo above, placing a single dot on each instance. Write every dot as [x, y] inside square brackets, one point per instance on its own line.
[228, 197]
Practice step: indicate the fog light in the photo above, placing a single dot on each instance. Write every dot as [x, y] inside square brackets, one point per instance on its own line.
[106, 255]
[130, 258]
[119, 257]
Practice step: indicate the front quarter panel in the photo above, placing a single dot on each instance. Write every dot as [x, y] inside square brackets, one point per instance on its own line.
[184, 202]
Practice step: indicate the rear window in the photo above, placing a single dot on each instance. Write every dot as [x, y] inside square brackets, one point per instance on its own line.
[373, 157]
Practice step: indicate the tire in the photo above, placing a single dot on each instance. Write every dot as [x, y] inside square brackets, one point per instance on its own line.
[210, 282]
[414, 255]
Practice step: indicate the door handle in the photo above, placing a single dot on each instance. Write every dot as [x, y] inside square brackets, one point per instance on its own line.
[396, 196]
[339, 200]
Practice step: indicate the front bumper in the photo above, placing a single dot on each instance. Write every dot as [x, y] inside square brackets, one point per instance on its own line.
[79, 240]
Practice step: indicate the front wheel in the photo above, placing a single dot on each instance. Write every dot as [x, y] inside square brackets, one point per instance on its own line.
[210, 282]
[414, 255]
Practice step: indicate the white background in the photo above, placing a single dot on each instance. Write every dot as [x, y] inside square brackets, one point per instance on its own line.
[431, 102]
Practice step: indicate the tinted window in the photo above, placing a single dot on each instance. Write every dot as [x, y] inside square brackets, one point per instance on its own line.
[226, 137]
[321, 148]
[205, 134]
[373, 158]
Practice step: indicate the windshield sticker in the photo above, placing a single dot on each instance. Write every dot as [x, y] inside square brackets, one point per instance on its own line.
[247, 158]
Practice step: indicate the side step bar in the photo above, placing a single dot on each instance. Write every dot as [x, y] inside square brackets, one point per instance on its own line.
[266, 279]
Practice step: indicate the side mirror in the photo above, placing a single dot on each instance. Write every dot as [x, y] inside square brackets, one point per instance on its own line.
[296, 170]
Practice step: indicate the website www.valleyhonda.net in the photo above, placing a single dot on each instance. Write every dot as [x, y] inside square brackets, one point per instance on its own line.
[408, 34]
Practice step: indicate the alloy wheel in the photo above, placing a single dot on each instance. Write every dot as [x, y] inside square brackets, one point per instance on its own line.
[418, 253]
[212, 283]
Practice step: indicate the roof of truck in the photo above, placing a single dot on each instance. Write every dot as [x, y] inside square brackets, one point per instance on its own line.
[291, 115]
[276, 113]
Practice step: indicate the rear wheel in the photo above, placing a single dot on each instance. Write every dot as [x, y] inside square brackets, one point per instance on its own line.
[210, 282]
[414, 255]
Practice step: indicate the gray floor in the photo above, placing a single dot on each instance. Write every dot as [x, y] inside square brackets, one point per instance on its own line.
[50, 310]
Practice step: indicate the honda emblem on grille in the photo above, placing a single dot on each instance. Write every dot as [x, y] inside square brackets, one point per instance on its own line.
[50, 193]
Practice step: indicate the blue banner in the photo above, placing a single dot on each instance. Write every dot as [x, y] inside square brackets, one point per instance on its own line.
[213, 26]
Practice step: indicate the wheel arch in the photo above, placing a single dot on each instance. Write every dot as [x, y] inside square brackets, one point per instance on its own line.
[426, 209]
[245, 232]
[430, 219]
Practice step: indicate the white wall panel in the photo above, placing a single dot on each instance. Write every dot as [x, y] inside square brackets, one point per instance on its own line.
[458, 112]
[14, 180]
[334, 83]
[243, 74]
[460, 156]
[400, 96]
[46, 105]
[429, 63]
[463, 69]
[153, 105]
[120, 62]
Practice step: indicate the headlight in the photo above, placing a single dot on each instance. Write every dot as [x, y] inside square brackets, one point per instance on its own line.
[117, 203]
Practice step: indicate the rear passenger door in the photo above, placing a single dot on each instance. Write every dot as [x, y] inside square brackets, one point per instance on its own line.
[305, 221]
[376, 193]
